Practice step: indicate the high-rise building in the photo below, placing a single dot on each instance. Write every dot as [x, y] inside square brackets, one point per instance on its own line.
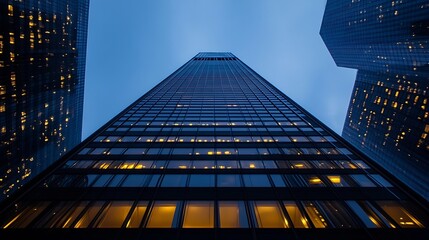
[42, 70]
[216, 152]
[388, 115]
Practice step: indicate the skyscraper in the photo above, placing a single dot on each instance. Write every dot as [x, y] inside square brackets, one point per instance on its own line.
[388, 116]
[215, 151]
[42, 70]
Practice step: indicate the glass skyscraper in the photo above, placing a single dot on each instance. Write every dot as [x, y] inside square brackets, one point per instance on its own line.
[42, 70]
[215, 151]
[388, 115]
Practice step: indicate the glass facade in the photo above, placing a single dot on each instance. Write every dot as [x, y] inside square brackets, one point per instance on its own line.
[381, 36]
[215, 151]
[42, 70]
[388, 116]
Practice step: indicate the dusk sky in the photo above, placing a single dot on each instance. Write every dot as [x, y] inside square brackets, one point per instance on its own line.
[134, 44]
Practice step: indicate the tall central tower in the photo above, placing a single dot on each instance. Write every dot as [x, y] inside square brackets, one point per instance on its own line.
[216, 152]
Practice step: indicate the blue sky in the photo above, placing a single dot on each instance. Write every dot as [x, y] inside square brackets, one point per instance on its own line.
[135, 44]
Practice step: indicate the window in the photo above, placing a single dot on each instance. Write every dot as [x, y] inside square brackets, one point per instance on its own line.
[130, 164]
[116, 180]
[313, 181]
[298, 220]
[199, 214]
[102, 180]
[362, 180]
[179, 164]
[174, 180]
[299, 164]
[228, 180]
[337, 181]
[366, 214]
[229, 164]
[269, 215]
[278, 180]
[139, 151]
[67, 220]
[203, 164]
[114, 215]
[252, 164]
[137, 215]
[315, 215]
[232, 214]
[27, 215]
[89, 215]
[202, 180]
[162, 215]
[381, 180]
[256, 180]
[399, 214]
[337, 214]
[135, 180]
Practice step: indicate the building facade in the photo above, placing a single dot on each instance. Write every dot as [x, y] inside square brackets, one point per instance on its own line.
[215, 151]
[388, 115]
[42, 70]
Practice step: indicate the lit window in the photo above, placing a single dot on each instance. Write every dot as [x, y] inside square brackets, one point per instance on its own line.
[400, 215]
[199, 214]
[269, 215]
[315, 215]
[298, 220]
[26, 216]
[314, 181]
[114, 215]
[252, 164]
[89, 215]
[338, 181]
[232, 214]
[162, 215]
[137, 216]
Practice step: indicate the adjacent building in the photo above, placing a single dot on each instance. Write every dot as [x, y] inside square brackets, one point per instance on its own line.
[42, 70]
[388, 116]
[215, 151]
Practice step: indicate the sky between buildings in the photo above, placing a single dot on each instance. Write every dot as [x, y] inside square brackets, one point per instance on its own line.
[135, 44]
